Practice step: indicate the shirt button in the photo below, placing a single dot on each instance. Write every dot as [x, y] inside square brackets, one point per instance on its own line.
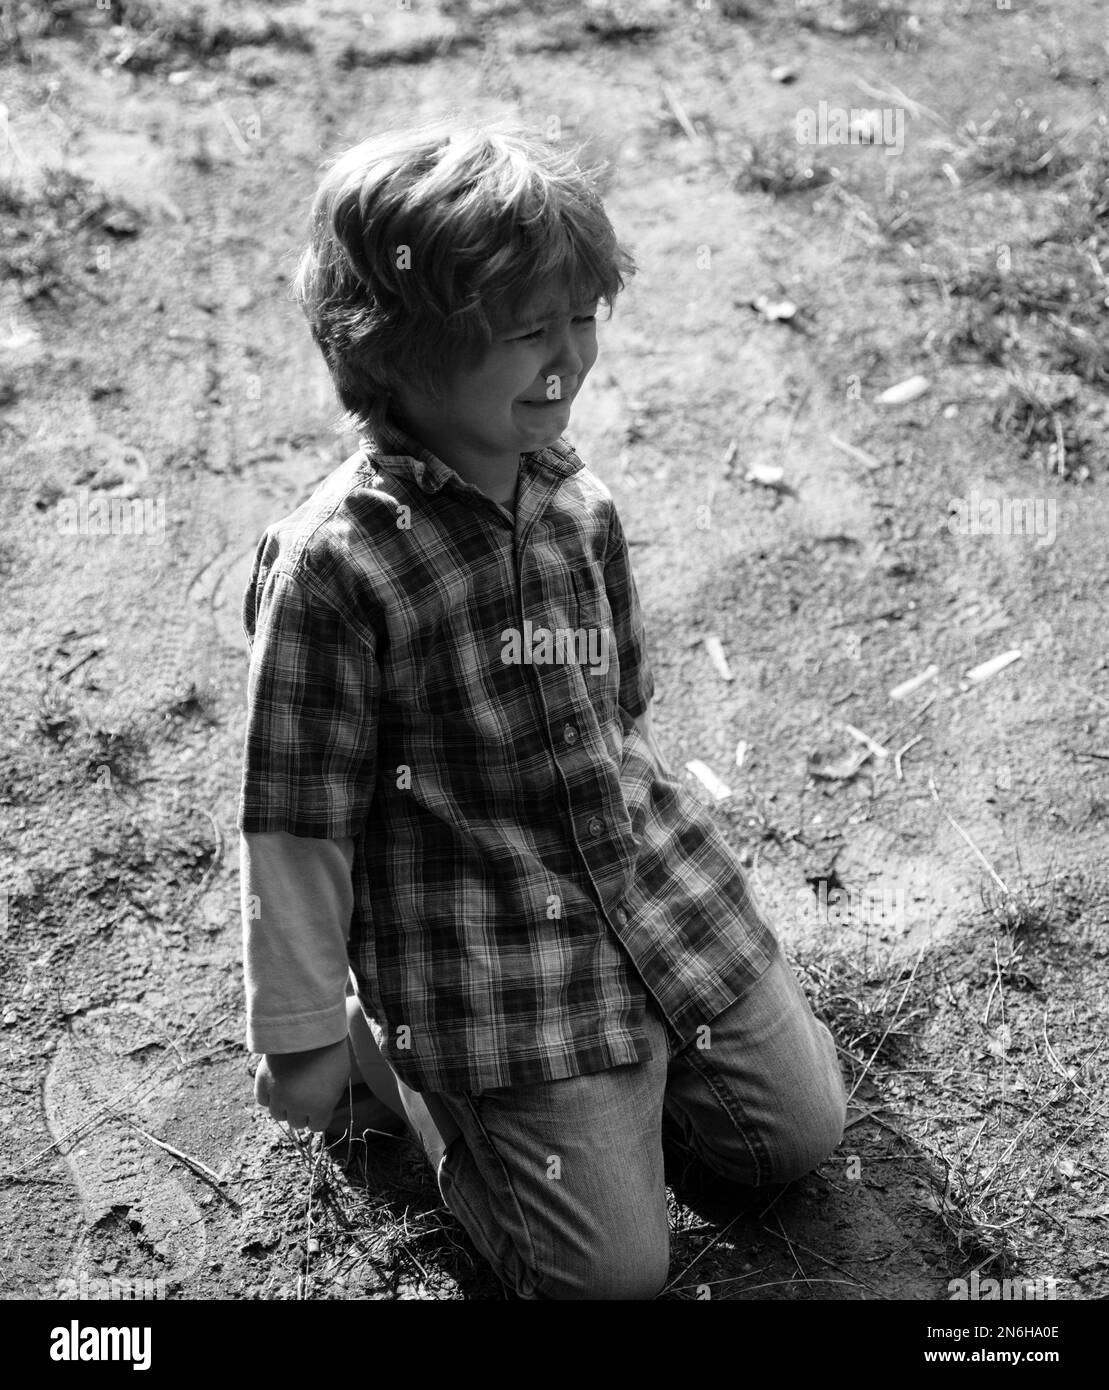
[621, 917]
[596, 825]
[569, 734]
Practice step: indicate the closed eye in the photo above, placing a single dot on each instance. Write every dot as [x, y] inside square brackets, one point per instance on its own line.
[537, 333]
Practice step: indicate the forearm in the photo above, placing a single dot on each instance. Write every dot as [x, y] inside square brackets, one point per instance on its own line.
[297, 900]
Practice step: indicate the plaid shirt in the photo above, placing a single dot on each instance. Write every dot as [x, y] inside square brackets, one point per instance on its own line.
[455, 688]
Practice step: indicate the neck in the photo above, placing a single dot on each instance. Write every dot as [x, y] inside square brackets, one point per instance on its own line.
[496, 477]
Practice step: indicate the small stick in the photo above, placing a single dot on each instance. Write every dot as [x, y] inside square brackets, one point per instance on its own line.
[859, 455]
[802, 400]
[891, 93]
[789, 1246]
[201, 1170]
[912, 743]
[680, 113]
[825, 1261]
[76, 666]
[718, 1236]
[873, 745]
[992, 871]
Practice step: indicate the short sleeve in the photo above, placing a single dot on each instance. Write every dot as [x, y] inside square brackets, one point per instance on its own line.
[309, 763]
[637, 683]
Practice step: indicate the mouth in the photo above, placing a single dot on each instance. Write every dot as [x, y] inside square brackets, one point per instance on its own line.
[545, 405]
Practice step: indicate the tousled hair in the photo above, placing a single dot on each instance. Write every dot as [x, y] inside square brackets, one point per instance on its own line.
[423, 242]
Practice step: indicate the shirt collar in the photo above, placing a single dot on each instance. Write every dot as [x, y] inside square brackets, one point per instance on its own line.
[391, 449]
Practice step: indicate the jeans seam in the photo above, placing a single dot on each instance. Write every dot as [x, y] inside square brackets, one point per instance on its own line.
[726, 1100]
[530, 1258]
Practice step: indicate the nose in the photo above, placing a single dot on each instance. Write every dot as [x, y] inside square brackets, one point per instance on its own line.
[565, 360]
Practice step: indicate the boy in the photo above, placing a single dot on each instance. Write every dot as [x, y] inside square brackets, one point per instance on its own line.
[450, 779]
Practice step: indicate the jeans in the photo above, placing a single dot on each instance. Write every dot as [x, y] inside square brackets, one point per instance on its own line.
[560, 1185]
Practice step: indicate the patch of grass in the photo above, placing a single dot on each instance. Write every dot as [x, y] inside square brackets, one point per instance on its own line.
[1081, 351]
[422, 49]
[116, 748]
[1086, 207]
[1038, 280]
[978, 331]
[39, 221]
[156, 31]
[613, 23]
[888, 214]
[190, 703]
[381, 1227]
[24, 21]
[1022, 911]
[870, 1009]
[55, 718]
[1043, 413]
[1016, 143]
[973, 1200]
[780, 166]
[889, 21]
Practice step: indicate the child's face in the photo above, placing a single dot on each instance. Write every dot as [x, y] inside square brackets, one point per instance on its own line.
[517, 398]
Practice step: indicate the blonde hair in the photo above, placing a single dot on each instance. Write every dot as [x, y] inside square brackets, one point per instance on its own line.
[423, 242]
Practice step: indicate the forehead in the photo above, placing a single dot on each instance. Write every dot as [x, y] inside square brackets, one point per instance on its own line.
[543, 304]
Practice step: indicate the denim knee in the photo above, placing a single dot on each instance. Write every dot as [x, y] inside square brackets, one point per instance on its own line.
[799, 1150]
[633, 1271]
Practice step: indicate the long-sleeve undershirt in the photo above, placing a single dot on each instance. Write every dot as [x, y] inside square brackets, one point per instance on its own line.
[297, 901]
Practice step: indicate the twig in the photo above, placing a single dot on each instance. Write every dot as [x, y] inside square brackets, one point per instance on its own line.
[802, 400]
[915, 109]
[955, 824]
[1057, 1066]
[876, 748]
[994, 988]
[783, 1283]
[718, 1236]
[912, 743]
[76, 665]
[859, 455]
[680, 114]
[830, 1263]
[201, 1170]
[789, 1246]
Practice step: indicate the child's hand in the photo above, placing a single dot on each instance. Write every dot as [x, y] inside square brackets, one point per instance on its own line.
[302, 1088]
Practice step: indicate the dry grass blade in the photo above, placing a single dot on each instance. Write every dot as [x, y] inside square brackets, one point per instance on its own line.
[956, 826]
[889, 1027]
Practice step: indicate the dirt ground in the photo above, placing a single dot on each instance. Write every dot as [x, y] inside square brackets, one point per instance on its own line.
[940, 888]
